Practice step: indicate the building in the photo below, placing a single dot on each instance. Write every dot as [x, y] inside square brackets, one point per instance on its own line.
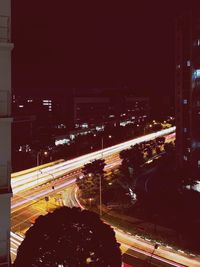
[188, 90]
[38, 117]
[98, 111]
[5, 131]
[55, 116]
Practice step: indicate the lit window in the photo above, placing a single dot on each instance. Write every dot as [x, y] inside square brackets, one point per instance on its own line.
[185, 130]
[185, 101]
[188, 63]
[178, 66]
[197, 42]
[185, 158]
[21, 106]
[198, 163]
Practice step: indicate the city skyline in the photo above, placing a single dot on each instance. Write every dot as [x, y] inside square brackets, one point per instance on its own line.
[90, 133]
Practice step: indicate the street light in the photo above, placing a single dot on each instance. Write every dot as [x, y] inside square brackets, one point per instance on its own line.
[100, 182]
[155, 247]
[90, 199]
[39, 153]
[102, 144]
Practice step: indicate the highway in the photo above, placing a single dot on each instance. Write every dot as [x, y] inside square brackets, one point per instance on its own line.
[38, 176]
[29, 204]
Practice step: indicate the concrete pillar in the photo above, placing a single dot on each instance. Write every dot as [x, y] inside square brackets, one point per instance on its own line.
[5, 131]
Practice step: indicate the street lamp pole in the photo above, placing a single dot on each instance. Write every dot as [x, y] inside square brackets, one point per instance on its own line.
[155, 247]
[100, 189]
[102, 146]
[38, 160]
[100, 182]
[38, 163]
[38, 155]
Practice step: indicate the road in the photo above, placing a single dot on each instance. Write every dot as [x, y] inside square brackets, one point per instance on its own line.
[29, 204]
[28, 180]
[24, 217]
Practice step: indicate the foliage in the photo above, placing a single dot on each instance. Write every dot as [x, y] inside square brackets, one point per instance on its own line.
[94, 167]
[69, 237]
[132, 159]
[89, 184]
[169, 147]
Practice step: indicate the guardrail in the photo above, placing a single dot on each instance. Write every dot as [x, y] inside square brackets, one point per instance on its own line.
[4, 29]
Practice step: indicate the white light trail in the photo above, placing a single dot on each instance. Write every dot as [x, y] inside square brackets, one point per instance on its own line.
[35, 178]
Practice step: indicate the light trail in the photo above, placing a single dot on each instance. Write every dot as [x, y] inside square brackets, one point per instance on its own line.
[125, 238]
[70, 180]
[28, 180]
[36, 177]
[41, 194]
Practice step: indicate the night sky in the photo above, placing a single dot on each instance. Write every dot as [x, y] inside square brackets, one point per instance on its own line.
[67, 44]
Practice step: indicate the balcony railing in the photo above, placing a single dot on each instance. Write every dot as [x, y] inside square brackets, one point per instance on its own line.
[4, 29]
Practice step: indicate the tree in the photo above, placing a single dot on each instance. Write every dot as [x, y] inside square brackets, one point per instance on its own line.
[89, 184]
[169, 147]
[132, 159]
[149, 152]
[158, 151]
[94, 167]
[69, 237]
[160, 140]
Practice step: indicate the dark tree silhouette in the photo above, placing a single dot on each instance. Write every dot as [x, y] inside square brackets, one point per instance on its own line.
[149, 152]
[132, 158]
[158, 151]
[169, 147]
[94, 167]
[69, 238]
[160, 140]
[89, 184]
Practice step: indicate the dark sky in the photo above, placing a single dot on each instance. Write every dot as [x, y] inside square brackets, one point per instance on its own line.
[61, 44]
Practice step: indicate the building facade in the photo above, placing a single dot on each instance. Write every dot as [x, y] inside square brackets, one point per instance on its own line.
[5, 131]
[188, 91]
[60, 115]
[101, 111]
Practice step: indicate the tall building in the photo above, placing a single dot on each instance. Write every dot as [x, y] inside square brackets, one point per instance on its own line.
[188, 90]
[5, 131]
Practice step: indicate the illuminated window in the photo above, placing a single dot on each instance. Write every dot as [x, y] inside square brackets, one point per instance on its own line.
[46, 100]
[197, 42]
[185, 101]
[185, 130]
[185, 158]
[188, 63]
